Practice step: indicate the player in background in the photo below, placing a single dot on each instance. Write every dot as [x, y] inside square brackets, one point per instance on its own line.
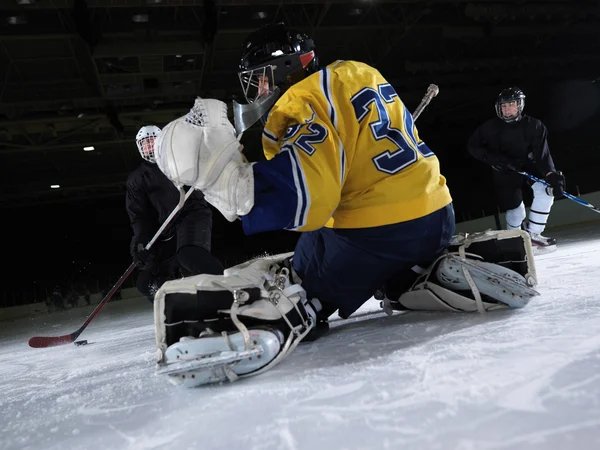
[513, 142]
[184, 247]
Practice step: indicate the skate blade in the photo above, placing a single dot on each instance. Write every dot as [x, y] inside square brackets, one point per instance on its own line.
[208, 362]
[538, 250]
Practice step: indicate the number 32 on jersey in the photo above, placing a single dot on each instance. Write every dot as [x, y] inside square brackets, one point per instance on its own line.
[394, 160]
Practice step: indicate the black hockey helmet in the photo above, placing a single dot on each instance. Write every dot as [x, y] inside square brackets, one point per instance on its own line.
[275, 57]
[512, 94]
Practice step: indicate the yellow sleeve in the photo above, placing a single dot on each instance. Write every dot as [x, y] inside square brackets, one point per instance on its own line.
[315, 147]
[299, 187]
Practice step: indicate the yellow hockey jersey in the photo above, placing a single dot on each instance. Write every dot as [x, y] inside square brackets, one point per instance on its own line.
[343, 151]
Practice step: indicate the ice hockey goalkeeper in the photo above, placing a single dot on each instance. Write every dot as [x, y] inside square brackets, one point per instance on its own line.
[345, 167]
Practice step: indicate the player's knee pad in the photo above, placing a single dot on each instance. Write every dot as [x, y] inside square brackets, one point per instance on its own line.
[540, 207]
[258, 294]
[515, 217]
[540, 190]
[479, 272]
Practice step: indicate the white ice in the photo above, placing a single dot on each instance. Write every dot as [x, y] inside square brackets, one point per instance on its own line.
[523, 379]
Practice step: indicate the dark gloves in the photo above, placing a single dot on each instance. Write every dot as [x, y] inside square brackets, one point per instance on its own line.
[143, 258]
[500, 164]
[556, 180]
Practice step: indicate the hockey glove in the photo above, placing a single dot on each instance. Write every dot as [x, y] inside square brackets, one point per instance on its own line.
[201, 149]
[501, 163]
[143, 258]
[556, 180]
[504, 166]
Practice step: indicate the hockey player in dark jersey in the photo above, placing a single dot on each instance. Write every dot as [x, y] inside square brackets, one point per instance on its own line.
[184, 247]
[514, 142]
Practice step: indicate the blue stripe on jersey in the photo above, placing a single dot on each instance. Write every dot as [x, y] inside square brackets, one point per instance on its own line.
[280, 195]
[270, 136]
[326, 88]
[300, 181]
[327, 92]
[343, 164]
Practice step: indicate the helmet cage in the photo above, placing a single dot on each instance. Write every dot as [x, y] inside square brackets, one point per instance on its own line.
[258, 82]
[520, 107]
[146, 148]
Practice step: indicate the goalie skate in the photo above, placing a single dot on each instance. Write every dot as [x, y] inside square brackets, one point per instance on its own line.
[492, 280]
[217, 358]
[498, 272]
[260, 312]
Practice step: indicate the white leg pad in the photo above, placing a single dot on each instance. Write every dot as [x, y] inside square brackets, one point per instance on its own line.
[270, 315]
[515, 217]
[540, 208]
[466, 282]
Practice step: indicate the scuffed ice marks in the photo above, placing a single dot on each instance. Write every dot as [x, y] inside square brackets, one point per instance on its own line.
[61, 393]
[526, 379]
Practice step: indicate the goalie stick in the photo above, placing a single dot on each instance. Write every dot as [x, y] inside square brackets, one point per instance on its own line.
[51, 341]
[432, 91]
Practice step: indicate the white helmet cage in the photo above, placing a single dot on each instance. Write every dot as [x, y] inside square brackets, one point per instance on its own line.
[257, 83]
[145, 141]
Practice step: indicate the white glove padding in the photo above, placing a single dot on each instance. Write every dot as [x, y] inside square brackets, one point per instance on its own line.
[233, 193]
[194, 149]
[201, 150]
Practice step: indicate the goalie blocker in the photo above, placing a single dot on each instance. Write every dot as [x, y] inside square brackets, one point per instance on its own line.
[213, 328]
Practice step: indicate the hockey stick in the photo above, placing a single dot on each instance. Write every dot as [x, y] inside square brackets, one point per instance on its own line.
[432, 91]
[566, 194]
[50, 341]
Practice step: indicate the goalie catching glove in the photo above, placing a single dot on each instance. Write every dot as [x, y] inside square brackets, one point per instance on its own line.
[201, 150]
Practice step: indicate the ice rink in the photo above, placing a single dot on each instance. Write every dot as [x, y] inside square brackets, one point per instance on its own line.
[523, 379]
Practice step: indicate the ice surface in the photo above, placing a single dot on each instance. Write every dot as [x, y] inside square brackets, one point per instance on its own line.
[518, 379]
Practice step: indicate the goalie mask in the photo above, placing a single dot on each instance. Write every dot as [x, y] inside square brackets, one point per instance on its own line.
[145, 142]
[510, 104]
[273, 59]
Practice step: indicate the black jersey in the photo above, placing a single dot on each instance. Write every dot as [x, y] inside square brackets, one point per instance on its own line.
[151, 197]
[522, 144]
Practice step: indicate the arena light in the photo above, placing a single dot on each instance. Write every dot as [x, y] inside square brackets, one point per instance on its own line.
[89, 148]
[54, 186]
[140, 18]
[16, 20]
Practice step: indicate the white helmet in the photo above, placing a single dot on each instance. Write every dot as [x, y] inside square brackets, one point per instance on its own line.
[145, 141]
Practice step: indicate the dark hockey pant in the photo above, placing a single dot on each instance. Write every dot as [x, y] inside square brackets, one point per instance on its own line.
[343, 268]
[185, 254]
[509, 194]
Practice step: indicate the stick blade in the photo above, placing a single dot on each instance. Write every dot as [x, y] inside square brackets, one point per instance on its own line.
[50, 341]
